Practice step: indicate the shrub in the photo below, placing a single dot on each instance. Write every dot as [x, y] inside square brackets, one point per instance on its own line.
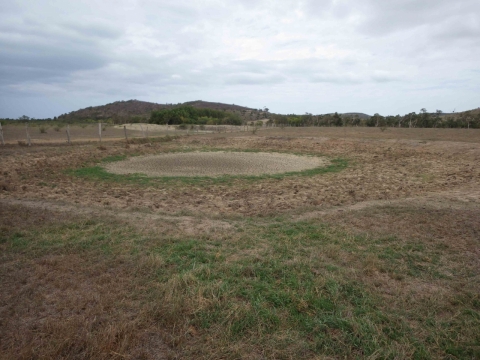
[43, 129]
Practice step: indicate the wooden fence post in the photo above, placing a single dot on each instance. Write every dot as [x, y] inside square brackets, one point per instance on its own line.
[125, 130]
[29, 141]
[100, 131]
[68, 133]
[1, 135]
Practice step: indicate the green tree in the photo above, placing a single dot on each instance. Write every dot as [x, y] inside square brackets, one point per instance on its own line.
[437, 119]
[467, 118]
[337, 120]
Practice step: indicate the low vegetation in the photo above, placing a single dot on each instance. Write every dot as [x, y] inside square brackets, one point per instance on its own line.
[284, 289]
[189, 115]
[424, 119]
[375, 257]
[205, 113]
[99, 172]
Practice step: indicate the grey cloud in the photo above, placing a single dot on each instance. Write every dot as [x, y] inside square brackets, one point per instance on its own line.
[32, 51]
[337, 78]
[252, 79]
[95, 29]
[15, 74]
[459, 28]
[239, 50]
[57, 59]
[384, 17]
[383, 77]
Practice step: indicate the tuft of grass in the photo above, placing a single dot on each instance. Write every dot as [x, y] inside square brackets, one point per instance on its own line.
[151, 140]
[113, 158]
[289, 290]
[99, 173]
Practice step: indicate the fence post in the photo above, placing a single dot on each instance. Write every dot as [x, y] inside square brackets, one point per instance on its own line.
[100, 131]
[125, 130]
[68, 133]
[29, 142]
[1, 135]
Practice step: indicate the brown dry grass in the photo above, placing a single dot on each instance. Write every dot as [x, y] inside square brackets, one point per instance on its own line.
[378, 170]
[78, 133]
[69, 304]
[94, 268]
[367, 133]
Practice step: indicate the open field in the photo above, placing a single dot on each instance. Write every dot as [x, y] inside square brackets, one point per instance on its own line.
[375, 255]
[372, 133]
[53, 134]
[40, 134]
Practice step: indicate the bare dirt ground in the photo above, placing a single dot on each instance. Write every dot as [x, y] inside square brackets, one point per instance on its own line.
[421, 186]
[215, 163]
[378, 170]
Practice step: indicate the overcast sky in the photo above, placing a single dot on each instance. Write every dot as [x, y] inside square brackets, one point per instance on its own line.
[318, 56]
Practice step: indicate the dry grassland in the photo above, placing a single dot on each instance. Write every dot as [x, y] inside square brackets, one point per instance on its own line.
[14, 134]
[374, 256]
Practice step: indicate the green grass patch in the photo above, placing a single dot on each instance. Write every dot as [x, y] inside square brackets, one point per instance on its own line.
[113, 158]
[288, 289]
[97, 172]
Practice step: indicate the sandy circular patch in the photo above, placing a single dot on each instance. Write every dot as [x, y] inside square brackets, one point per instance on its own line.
[215, 164]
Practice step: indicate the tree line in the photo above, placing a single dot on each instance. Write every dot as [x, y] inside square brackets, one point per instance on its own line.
[189, 115]
[424, 119]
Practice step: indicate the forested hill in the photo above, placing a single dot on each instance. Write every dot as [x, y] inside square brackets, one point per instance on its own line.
[138, 110]
[120, 109]
[216, 106]
[360, 115]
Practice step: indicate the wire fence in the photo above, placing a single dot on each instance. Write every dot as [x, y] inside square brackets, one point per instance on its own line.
[30, 134]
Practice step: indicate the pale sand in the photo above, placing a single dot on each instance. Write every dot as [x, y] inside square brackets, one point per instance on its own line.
[215, 164]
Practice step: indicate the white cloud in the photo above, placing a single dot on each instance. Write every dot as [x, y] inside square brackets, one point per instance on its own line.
[311, 55]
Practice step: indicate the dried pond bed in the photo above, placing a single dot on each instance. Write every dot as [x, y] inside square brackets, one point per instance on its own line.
[215, 164]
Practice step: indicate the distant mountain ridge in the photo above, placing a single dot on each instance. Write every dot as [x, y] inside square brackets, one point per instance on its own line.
[360, 115]
[216, 106]
[140, 109]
